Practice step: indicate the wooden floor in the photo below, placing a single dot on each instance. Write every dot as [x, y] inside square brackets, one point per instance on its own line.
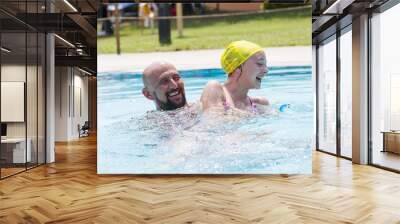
[387, 159]
[70, 191]
[10, 171]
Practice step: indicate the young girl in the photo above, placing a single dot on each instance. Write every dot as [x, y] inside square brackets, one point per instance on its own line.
[246, 66]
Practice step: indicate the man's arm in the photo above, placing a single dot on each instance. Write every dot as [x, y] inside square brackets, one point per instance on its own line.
[213, 95]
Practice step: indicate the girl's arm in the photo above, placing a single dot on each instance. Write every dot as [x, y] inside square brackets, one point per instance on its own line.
[260, 100]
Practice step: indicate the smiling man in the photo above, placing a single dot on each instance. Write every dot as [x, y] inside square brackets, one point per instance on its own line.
[164, 86]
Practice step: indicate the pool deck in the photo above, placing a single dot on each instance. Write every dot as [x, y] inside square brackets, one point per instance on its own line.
[199, 59]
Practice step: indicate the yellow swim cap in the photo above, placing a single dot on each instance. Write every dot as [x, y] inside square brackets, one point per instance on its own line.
[237, 53]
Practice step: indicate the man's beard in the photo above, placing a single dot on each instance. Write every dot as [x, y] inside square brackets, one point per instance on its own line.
[169, 105]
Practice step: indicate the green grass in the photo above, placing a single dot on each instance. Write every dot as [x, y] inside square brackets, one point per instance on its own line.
[269, 30]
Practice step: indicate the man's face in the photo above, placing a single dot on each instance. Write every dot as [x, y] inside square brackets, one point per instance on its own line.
[167, 88]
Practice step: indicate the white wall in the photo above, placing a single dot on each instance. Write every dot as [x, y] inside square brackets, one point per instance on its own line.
[13, 101]
[12, 73]
[33, 126]
[61, 103]
[80, 83]
[70, 83]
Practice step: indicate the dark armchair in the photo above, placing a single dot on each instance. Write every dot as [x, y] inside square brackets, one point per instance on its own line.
[84, 130]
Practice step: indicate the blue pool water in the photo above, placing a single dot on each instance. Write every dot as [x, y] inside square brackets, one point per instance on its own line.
[132, 139]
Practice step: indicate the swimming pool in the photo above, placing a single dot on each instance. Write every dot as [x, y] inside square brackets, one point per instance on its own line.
[132, 142]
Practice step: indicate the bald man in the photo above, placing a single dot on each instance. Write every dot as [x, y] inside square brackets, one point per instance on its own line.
[164, 86]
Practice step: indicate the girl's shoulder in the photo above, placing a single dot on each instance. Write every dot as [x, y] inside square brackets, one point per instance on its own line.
[213, 84]
[213, 89]
[213, 94]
